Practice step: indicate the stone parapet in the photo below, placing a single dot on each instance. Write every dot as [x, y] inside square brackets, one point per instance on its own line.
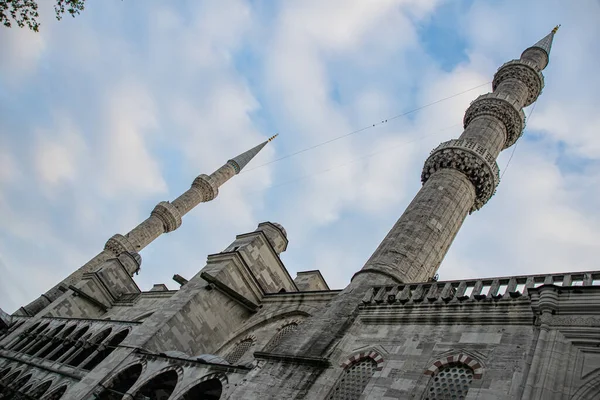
[511, 115]
[168, 214]
[206, 186]
[525, 72]
[475, 290]
[471, 159]
[118, 244]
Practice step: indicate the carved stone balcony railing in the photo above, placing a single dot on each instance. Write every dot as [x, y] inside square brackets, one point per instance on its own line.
[490, 289]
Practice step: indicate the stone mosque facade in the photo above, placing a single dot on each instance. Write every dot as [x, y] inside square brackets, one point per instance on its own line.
[243, 328]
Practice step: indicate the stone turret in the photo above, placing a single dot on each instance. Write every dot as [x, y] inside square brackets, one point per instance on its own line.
[165, 217]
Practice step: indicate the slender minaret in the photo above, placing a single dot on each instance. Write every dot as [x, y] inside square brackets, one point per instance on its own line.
[459, 177]
[166, 217]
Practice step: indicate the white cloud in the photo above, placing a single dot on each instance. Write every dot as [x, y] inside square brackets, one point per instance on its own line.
[201, 84]
[58, 157]
[128, 165]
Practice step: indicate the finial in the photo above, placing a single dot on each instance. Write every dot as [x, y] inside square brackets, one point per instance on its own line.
[273, 137]
[555, 28]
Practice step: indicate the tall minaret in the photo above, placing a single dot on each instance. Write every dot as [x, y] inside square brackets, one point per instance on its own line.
[461, 175]
[166, 217]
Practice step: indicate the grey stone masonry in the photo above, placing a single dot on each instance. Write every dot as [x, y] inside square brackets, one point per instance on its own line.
[310, 280]
[459, 177]
[166, 217]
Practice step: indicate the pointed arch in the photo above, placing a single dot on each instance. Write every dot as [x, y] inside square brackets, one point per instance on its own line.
[459, 358]
[590, 389]
[239, 349]
[372, 354]
[121, 382]
[93, 345]
[283, 331]
[209, 387]
[356, 374]
[40, 389]
[57, 393]
[160, 386]
[110, 346]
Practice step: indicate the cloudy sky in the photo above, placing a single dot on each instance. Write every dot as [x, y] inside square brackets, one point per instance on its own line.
[104, 115]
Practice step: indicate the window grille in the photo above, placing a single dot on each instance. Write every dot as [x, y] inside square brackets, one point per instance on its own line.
[353, 380]
[238, 351]
[283, 332]
[451, 382]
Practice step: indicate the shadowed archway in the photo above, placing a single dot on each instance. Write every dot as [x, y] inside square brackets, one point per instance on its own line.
[158, 388]
[208, 390]
[121, 383]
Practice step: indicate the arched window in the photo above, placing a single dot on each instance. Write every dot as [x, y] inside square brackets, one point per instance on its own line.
[121, 383]
[4, 372]
[30, 336]
[58, 341]
[39, 391]
[13, 389]
[452, 381]
[239, 350]
[354, 379]
[158, 388]
[280, 335]
[87, 351]
[210, 389]
[4, 377]
[57, 394]
[109, 348]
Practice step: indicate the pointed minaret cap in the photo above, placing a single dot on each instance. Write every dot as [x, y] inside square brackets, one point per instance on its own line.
[239, 162]
[545, 44]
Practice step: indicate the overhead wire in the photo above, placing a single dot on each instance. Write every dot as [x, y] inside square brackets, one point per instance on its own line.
[354, 160]
[383, 121]
[516, 144]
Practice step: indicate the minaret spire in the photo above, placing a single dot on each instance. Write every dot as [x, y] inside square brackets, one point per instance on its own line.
[539, 53]
[461, 175]
[166, 217]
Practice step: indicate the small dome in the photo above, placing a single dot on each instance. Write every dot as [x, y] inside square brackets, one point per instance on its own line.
[211, 359]
[280, 228]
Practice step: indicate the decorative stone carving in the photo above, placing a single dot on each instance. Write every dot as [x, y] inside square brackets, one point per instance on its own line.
[517, 69]
[207, 188]
[472, 160]
[575, 321]
[168, 214]
[119, 244]
[512, 118]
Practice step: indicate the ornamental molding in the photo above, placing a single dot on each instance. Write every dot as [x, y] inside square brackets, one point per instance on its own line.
[371, 354]
[456, 359]
[235, 166]
[468, 157]
[119, 244]
[206, 186]
[524, 72]
[491, 105]
[574, 321]
[168, 214]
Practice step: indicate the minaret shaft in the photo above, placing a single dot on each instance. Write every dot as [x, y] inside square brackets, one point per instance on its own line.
[461, 175]
[166, 217]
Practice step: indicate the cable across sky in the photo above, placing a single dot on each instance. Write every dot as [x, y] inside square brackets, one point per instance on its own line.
[381, 122]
